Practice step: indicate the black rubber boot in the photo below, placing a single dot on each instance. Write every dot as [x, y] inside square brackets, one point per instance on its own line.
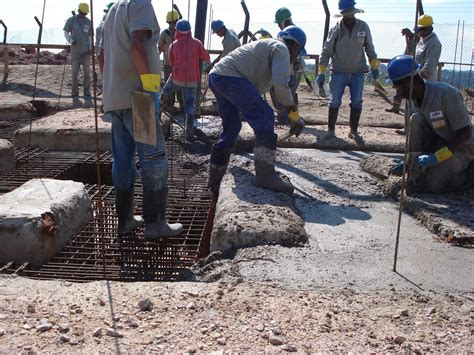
[332, 118]
[264, 155]
[154, 212]
[354, 119]
[189, 128]
[218, 166]
[124, 207]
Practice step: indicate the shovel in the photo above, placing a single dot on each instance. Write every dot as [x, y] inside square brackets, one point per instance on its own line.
[144, 117]
[378, 86]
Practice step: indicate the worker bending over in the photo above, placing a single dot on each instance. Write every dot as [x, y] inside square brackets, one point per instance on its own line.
[238, 82]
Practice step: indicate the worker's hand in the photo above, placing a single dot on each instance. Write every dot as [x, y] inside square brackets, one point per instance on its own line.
[407, 33]
[375, 73]
[428, 160]
[320, 80]
[397, 169]
[296, 123]
[151, 82]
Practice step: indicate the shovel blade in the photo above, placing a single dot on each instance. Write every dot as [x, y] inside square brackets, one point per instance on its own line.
[144, 117]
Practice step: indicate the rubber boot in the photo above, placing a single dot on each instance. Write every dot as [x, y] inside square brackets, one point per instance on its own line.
[218, 166]
[332, 118]
[264, 155]
[154, 211]
[354, 119]
[189, 128]
[124, 207]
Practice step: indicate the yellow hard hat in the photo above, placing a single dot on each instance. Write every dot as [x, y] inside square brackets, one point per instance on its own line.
[84, 8]
[425, 21]
[172, 16]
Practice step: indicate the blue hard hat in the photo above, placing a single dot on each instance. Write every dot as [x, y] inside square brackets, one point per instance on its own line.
[401, 67]
[296, 34]
[216, 25]
[183, 26]
[346, 5]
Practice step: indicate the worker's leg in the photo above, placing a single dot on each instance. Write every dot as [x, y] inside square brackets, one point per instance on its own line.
[124, 170]
[75, 63]
[422, 136]
[189, 97]
[450, 175]
[337, 84]
[231, 124]
[356, 87]
[86, 67]
[167, 95]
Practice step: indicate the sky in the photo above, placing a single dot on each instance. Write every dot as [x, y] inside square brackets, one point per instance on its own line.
[385, 17]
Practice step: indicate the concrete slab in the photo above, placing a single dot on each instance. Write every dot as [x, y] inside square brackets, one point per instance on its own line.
[247, 216]
[375, 138]
[40, 217]
[71, 130]
[450, 217]
[7, 157]
[351, 227]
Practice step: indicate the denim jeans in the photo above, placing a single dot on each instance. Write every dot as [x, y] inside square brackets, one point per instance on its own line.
[235, 95]
[153, 159]
[189, 95]
[337, 85]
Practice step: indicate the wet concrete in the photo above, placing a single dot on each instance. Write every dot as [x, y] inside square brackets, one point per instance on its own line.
[352, 228]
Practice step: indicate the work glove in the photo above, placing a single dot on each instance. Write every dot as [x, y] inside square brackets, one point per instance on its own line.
[151, 83]
[375, 74]
[428, 160]
[397, 169]
[320, 80]
[296, 123]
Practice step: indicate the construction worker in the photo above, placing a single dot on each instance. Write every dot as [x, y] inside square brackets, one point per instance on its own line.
[131, 61]
[441, 139]
[283, 19]
[98, 30]
[345, 47]
[427, 52]
[184, 56]
[78, 33]
[238, 82]
[166, 38]
[230, 39]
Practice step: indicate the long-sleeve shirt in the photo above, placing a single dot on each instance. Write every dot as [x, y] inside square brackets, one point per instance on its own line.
[230, 42]
[98, 36]
[427, 55]
[184, 55]
[263, 63]
[347, 49]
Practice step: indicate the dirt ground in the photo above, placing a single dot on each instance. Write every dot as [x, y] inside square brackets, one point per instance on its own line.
[336, 293]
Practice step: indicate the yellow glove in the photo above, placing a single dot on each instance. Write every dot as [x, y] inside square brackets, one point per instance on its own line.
[443, 154]
[374, 63]
[294, 116]
[322, 69]
[151, 82]
[296, 123]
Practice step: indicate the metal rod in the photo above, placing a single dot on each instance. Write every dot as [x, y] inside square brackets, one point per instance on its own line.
[420, 10]
[64, 73]
[470, 70]
[5, 31]
[455, 54]
[405, 156]
[460, 56]
[247, 22]
[326, 23]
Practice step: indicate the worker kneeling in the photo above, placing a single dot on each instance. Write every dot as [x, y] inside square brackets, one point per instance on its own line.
[441, 142]
[238, 81]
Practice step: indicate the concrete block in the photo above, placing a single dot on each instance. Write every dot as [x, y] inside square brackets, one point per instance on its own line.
[248, 216]
[40, 217]
[7, 157]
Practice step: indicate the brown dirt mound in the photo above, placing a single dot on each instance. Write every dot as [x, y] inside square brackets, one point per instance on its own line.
[29, 56]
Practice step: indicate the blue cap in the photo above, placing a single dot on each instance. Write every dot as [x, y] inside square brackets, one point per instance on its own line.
[296, 34]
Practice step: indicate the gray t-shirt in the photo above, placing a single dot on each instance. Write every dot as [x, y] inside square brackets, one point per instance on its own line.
[80, 29]
[166, 38]
[428, 52]
[264, 63]
[444, 109]
[121, 77]
[230, 41]
[347, 49]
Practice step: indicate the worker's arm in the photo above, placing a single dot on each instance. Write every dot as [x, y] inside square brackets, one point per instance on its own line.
[68, 30]
[138, 51]
[101, 60]
[433, 52]
[328, 48]
[162, 42]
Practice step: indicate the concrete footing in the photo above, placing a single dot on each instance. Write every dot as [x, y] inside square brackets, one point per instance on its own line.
[40, 217]
[7, 157]
[248, 216]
